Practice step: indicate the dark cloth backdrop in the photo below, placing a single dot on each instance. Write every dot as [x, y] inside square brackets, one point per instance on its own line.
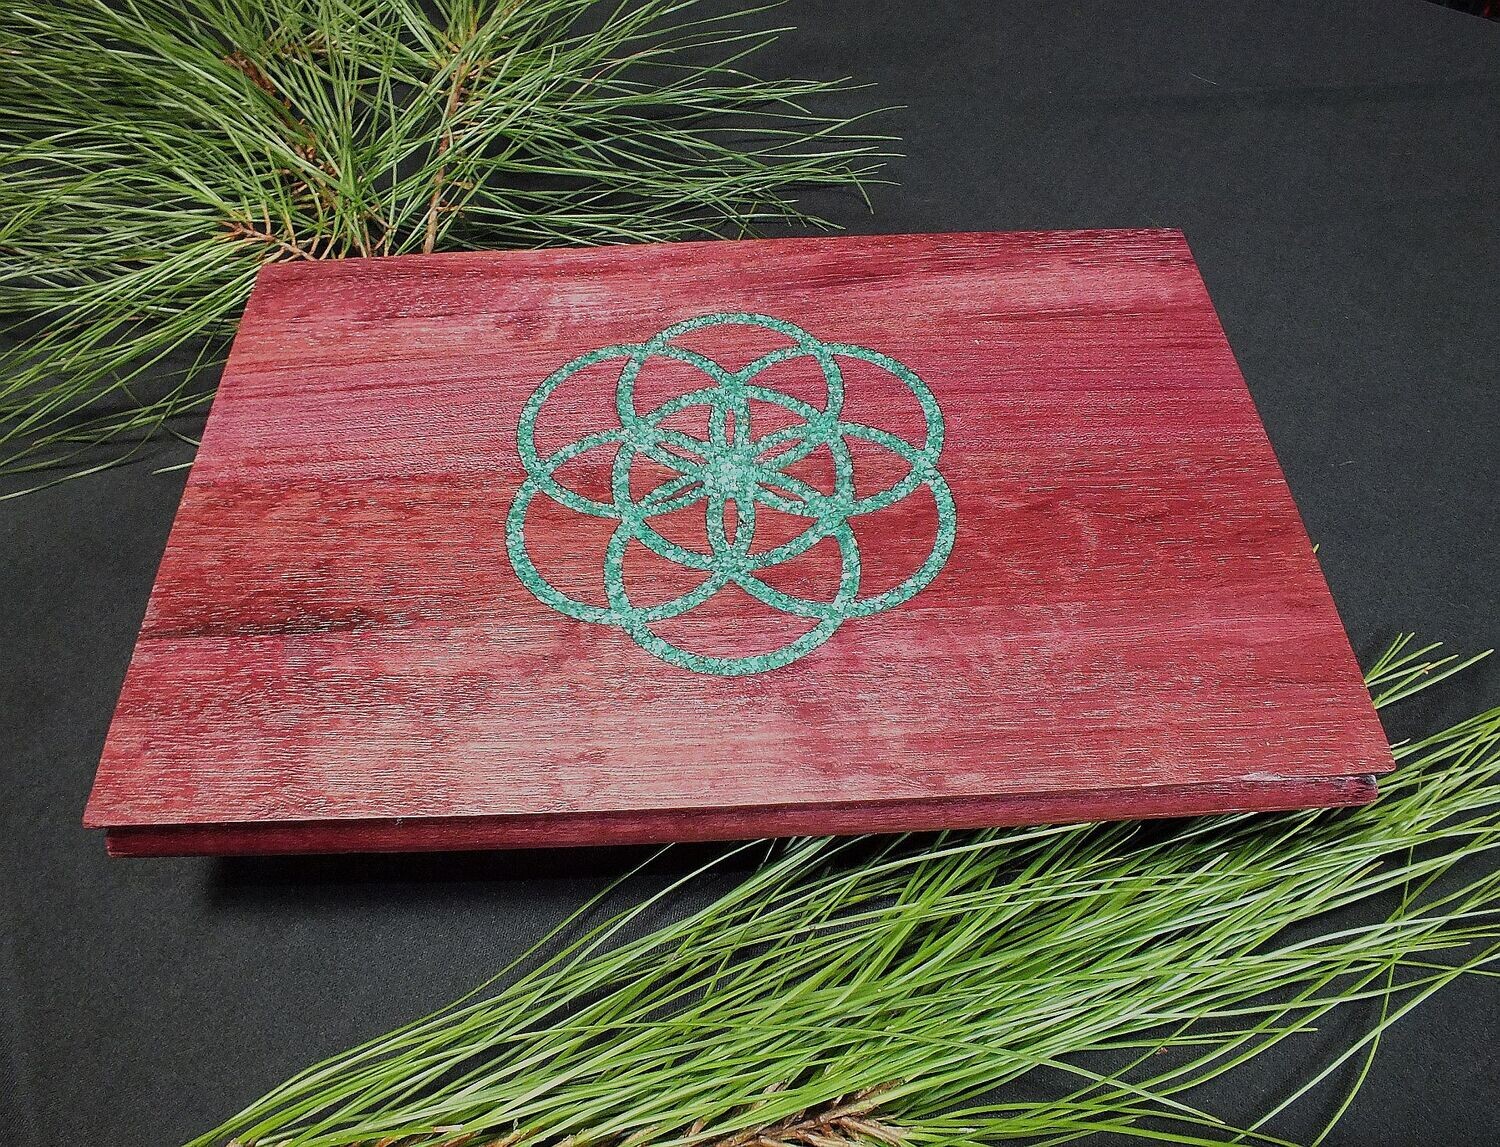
[1335, 168]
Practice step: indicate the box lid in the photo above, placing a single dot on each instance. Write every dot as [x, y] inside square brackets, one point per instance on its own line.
[730, 539]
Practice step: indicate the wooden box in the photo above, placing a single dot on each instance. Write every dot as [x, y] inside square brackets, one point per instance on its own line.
[720, 540]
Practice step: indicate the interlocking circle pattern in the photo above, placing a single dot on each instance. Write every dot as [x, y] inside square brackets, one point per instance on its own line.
[732, 465]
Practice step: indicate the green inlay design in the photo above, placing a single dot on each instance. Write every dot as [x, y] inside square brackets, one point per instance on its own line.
[732, 465]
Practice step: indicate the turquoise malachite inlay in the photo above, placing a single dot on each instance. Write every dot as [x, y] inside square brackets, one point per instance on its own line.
[732, 465]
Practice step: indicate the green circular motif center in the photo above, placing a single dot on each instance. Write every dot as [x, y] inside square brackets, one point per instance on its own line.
[732, 467]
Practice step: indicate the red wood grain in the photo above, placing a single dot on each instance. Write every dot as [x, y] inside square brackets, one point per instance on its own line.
[337, 653]
[439, 834]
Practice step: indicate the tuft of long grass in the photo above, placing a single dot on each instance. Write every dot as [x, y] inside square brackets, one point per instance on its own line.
[155, 153]
[902, 990]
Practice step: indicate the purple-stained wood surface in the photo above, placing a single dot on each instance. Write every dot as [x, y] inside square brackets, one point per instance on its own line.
[338, 654]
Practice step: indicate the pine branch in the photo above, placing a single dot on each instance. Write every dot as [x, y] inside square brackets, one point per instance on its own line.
[898, 992]
[213, 136]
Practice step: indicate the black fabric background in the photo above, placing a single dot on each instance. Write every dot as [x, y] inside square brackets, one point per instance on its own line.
[1336, 167]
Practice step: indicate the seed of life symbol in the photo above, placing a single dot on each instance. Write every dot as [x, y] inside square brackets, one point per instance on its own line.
[732, 466]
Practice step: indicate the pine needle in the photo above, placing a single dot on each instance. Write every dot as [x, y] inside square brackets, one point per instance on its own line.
[899, 991]
[154, 154]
